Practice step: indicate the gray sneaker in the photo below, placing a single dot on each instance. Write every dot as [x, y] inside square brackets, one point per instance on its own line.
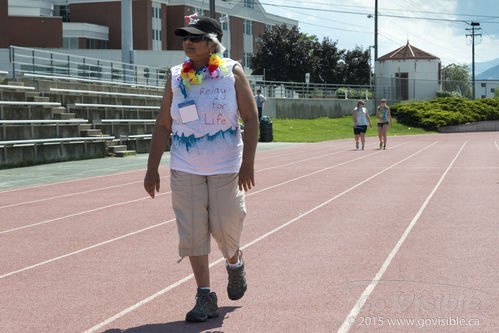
[206, 307]
[236, 286]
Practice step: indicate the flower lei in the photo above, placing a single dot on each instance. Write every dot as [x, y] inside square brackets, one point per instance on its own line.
[214, 69]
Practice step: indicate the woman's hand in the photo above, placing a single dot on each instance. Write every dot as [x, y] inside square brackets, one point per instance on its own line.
[151, 182]
[246, 177]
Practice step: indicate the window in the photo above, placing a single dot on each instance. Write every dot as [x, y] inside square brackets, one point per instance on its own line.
[483, 96]
[492, 90]
[247, 59]
[198, 10]
[248, 27]
[226, 54]
[90, 43]
[70, 43]
[484, 85]
[62, 11]
[268, 27]
[225, 26]
[249, 3]
[156, 25]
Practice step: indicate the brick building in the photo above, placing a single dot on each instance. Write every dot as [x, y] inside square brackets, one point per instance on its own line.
[96, 24]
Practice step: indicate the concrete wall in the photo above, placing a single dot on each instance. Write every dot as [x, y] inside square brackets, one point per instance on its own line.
[479, 126]
[29, 154]
[312, 108]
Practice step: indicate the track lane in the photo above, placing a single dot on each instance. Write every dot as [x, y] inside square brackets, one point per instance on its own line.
[27, 245]
[88, 262]
[444, 277]
[276, 301]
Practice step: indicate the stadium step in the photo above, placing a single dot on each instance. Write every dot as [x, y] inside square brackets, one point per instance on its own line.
[30, 95]
[39, 99]
[117, 148]
[15, 83]
[125, 153]
[91, 132]
[119, 151]
[84, 127]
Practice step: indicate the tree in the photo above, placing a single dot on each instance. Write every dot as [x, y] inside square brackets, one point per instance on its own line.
[496, 93]
[457, 78]
[328, 57]
[285, 54]
[356, 69]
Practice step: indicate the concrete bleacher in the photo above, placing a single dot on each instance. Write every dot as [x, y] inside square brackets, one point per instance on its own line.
[45, 118]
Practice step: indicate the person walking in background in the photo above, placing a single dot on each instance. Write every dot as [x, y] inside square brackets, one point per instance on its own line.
[384, 118]
[260, 100]
[211, 165]
[360, 120]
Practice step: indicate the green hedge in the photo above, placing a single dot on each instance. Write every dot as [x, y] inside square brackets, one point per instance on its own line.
[445, 111]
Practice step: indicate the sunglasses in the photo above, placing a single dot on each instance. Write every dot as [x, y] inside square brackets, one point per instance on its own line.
[193, 38]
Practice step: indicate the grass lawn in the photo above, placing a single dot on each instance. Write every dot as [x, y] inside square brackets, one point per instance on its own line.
[323, 129]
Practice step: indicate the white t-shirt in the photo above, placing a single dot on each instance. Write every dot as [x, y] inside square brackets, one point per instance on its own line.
[260, 99]
[212, 144]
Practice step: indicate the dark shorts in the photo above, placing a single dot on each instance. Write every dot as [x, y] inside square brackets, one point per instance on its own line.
[359, 129]
[382, 124]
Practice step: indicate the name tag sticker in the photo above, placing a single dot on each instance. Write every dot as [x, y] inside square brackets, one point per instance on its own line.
[188, 111]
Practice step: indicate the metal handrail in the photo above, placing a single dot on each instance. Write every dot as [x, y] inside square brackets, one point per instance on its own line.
[282, 89]
[36, 61]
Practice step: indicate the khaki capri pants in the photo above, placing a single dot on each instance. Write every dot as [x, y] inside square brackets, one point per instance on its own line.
[205, 205]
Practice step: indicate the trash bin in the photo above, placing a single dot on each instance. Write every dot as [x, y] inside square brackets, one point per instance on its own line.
[266, 131]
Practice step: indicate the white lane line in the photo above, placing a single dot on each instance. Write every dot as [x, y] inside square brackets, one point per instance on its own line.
[73, 194]
[119, 185]
[304, 160]
[497, 146]
[69, 181]
[106, 175]
[78, 214]
[84, 249]
[143, 198]
[189, 277]
[140, 181]
[253, 193]
[352, 316]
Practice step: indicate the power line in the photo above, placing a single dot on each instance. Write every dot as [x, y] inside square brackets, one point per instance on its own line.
[413, 5]
[364, 13]
[335, 28]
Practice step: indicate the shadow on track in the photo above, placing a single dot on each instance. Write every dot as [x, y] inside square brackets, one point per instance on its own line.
[182, 326]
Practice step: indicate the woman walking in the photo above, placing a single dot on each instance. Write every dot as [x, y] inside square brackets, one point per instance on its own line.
[210, 164]
[360, 119]
[384, 118]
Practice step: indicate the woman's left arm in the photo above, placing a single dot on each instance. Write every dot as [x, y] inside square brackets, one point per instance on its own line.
[249, 115]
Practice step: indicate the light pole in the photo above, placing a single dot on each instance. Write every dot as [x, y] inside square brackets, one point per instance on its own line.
[212, 8]
[474, 26]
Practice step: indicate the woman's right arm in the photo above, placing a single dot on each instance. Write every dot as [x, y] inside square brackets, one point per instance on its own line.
[354, 117]
[160, 137]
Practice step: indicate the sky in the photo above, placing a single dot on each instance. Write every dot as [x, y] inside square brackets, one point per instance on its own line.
[444, 38]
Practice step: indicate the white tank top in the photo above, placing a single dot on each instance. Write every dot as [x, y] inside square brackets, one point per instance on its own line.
[361, 116]
[212, 144]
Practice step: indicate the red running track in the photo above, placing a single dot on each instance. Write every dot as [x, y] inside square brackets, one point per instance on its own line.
[335, 240]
